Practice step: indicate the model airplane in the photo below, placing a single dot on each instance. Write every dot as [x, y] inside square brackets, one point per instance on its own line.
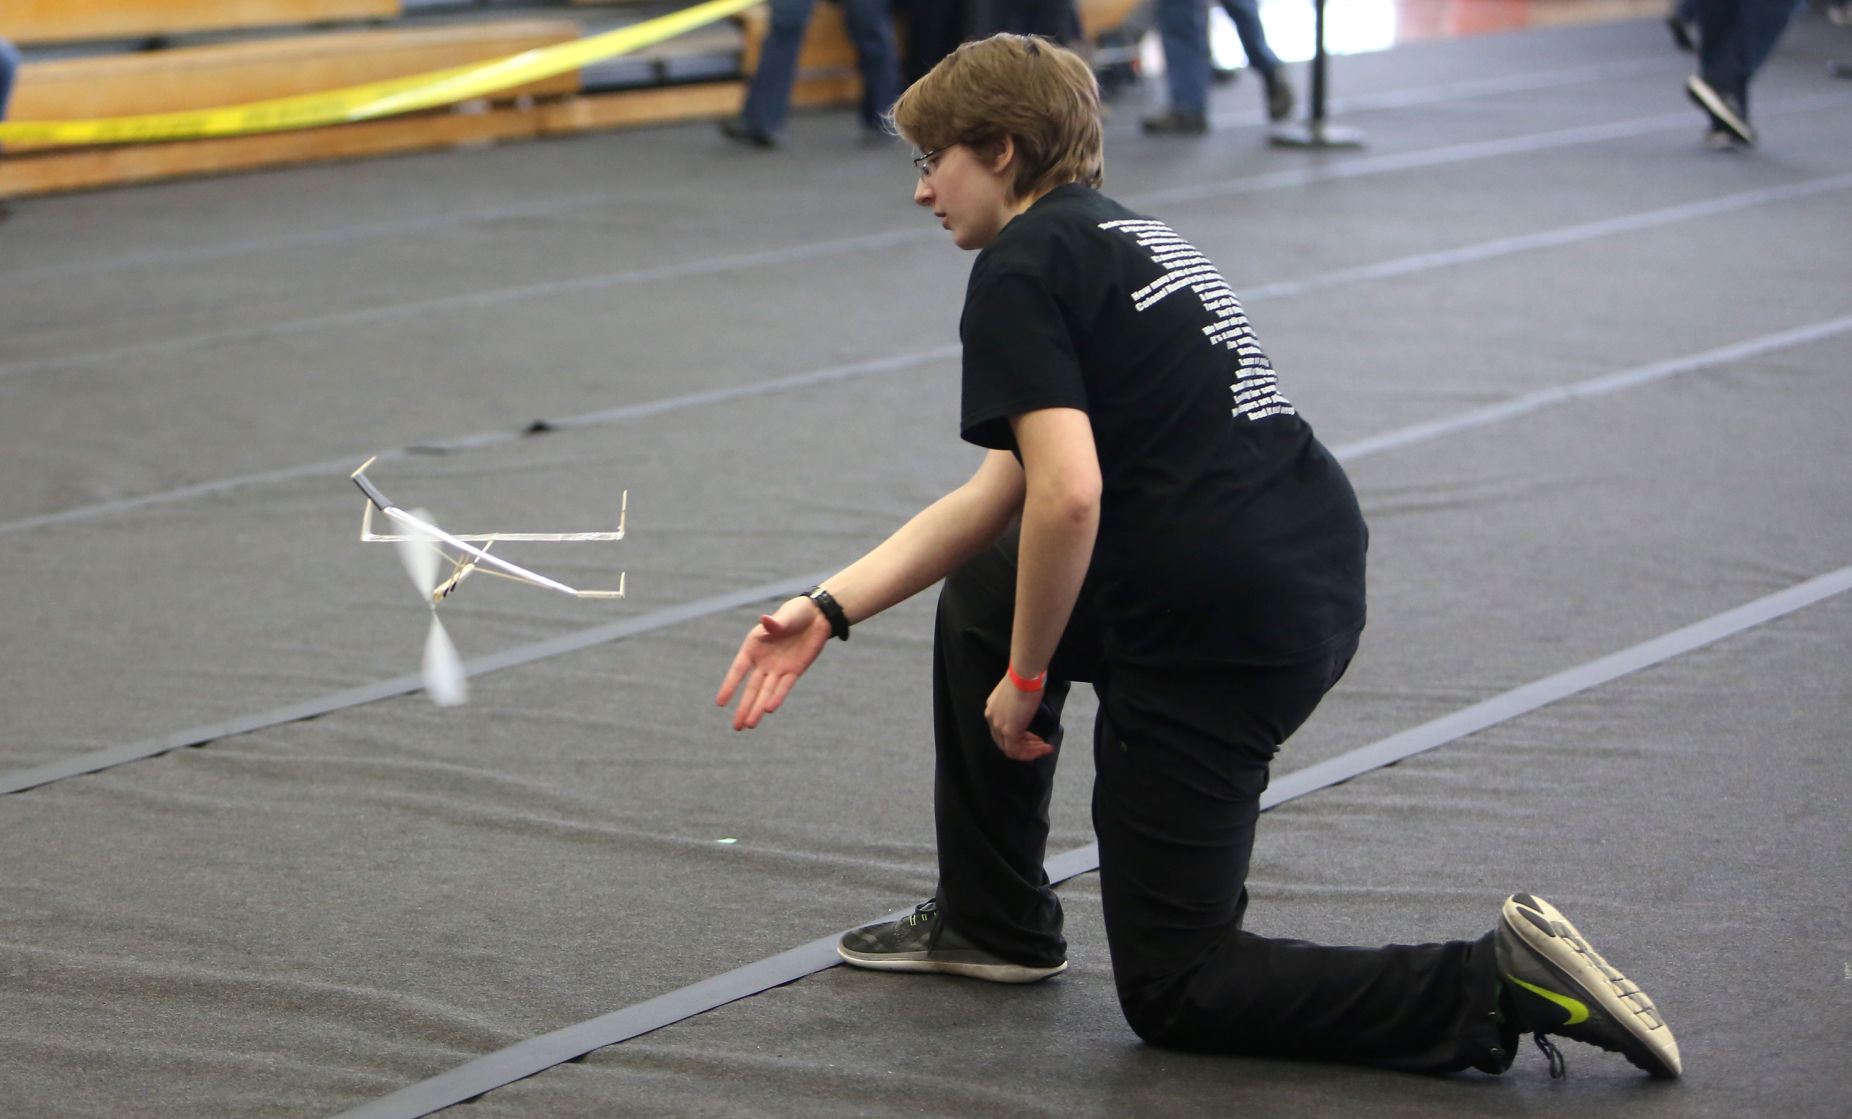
[424, 548]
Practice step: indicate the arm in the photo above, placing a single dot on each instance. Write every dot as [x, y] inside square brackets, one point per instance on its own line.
[927, 548]
[935, 543]
[1060, 519]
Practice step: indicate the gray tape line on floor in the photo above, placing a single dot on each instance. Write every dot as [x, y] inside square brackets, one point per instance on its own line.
[21, 780]
[1637, 222]
[622, 414]
[1593, 386]
[517, 1062]
[537, 1054]
[476, 300]
[1530, 697]
[858, 369]
[423, 223]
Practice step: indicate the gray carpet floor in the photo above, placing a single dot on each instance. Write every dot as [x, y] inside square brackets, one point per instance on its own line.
[1593, 383]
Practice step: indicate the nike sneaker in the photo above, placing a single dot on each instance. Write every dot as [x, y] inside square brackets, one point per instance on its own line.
[1554, 983]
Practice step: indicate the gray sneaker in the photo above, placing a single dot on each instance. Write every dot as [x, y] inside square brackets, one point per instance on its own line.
[1725, 111]
[921, 941]
[1722, 140]
[1554, 983]
[1279, 98]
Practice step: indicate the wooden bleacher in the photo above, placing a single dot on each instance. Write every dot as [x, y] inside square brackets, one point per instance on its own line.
[296, 53]
[253, 50]
[203, 77]
[58, 21]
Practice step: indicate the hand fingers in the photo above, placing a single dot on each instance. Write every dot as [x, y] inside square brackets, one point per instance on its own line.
[735, 672]
[1027, 751]
[742, 664]
[1026, 747]
[765, 692]
[762, 704]
[779, 689]
[746, 715]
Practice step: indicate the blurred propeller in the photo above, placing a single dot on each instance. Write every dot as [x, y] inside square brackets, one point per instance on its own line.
[444, 677]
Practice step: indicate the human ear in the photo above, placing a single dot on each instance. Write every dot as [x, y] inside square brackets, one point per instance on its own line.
[1005, 156]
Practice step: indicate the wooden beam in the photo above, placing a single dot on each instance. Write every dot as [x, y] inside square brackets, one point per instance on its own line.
[49, 172]
[233, 73]
[824, 88]
[642, 107]
[826, 77]
[1103, 15]
[237, 73]
[826, 40]
[47, 21]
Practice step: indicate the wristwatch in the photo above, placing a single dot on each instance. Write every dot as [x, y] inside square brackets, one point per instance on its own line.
[839, 621]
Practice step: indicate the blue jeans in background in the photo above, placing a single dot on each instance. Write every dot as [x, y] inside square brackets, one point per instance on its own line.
[1183, 27]
[9, 69]
[1051, 19]
[1246, 17]
[1735, 38]
[768, 98]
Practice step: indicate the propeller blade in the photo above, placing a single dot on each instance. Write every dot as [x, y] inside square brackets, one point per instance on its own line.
[444, 677]
[420, 554]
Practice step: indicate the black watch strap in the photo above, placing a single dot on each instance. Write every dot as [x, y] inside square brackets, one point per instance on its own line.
[832, 610]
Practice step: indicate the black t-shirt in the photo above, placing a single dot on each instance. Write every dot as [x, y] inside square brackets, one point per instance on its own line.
[1228, 534]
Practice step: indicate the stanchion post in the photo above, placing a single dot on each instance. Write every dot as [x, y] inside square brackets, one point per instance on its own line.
[1316, 132]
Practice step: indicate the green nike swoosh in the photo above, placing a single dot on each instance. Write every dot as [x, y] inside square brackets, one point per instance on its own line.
[1577, 1011]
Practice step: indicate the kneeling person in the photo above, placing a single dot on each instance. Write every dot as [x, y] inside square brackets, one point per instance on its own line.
[1153, 516]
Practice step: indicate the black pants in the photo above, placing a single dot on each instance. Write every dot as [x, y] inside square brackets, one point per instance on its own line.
[1181, 759]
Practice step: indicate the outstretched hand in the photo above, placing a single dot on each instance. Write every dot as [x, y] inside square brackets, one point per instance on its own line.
[770, 660]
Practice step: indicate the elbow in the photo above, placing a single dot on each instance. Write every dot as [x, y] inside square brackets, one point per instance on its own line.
[1074, 504]
[1082, 508]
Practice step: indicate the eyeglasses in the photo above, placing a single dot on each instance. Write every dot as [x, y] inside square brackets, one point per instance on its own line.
[923, 163]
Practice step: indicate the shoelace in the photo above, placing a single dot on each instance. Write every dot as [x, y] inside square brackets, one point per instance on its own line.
[1559, 1067]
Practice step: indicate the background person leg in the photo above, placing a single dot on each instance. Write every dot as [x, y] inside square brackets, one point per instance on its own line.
[768, 95]
[1183, 25]
[871, 30]
[1245, 15]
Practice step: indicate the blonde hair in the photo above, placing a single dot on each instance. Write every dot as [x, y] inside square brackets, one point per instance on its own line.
[1026, 88]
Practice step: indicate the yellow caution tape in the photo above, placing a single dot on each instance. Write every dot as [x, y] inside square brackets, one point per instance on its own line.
[375, 99]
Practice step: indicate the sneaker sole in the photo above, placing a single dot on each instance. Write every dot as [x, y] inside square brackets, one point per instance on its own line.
[971, 969]
[1706, 98]
[1557, 945]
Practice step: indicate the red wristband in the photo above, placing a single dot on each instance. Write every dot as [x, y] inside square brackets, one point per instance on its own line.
[1028, 683]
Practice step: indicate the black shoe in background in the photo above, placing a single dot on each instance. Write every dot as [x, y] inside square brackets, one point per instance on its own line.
[741, 131]
[1174, 123]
